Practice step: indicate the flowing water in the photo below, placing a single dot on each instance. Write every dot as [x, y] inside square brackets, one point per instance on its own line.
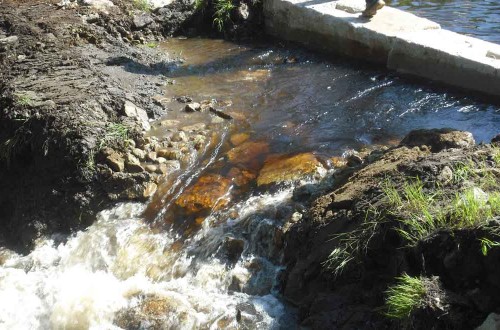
[140, 266]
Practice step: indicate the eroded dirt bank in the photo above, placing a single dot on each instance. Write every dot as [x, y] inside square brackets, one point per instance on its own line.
[426, 210]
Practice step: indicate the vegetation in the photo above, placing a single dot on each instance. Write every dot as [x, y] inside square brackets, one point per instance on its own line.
[115, 133]
[222, 13]
[24, 100]
[152, 44]
[142, 5]
[404, 297]
[487, 244]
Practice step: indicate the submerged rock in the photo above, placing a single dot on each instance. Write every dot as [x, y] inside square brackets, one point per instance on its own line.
[207, 193]
[247, 152]
[288, 168]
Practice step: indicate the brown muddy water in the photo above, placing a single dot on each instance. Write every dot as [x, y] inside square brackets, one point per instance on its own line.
[144, 266]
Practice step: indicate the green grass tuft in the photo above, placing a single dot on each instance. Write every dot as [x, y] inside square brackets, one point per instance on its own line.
[115, 133]
[142, 5]
[222, 13]
[404, 297]
[487, 245]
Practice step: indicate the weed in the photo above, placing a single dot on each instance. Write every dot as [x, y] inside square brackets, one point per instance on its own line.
[142, 5]
[462, 172]
[404, 297]
[87, 167]
[24, 100]
[487, 244]
[152, 44]
[114, 133]
[222, 13]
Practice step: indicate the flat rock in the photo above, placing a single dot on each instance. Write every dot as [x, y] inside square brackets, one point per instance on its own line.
[247, 152]
[133, 111]
[288, 168]
[439, 139]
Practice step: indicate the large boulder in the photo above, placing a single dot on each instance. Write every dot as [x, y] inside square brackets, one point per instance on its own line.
[279, 168]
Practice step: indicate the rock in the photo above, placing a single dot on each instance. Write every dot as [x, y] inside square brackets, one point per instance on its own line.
[247, 152]
[338, 162]
[351, 6]
[192, 107]
[115, 161]
[97, 4]
[133, 111]
[169, 123]
[496, 139]
[133, 165]
[241, 177]
[199, 141]
[141, 154]
[184, 99]
[353, 158]
[239, 138]
[179, 137]
[243, 11]
[160, 160]
[492, 322]
[151, 156]
[142, 20]
[439, 139]
[150, 168]
[288, 168]
[220, 113]
[170, 154]
[194, 128]
[168, 167]
[233, 247]
[9, 40]
[206, 194]
[150, 190]
[446, 175]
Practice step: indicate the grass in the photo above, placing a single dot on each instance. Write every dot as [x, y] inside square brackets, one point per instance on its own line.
[487, 245]
[23, 100]
[404, 297]
[222, 13]
[200, 4]
[142, 5]
[115, 132]
[88, 166]
[152, 44]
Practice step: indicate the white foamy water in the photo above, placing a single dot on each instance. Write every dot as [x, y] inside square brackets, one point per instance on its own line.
[121, 273]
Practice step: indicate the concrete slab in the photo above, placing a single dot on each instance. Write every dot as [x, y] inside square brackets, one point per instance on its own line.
[396, 39]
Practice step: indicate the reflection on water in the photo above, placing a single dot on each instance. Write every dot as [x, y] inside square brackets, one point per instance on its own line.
[477, 18]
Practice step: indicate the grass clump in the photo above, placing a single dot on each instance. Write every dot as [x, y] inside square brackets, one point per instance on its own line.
[404, 297]
[152, 44]
[115, 133]
[24, 100]
[142, 5]
[222, 13]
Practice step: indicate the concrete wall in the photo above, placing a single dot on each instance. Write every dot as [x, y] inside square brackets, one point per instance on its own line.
[396, 39]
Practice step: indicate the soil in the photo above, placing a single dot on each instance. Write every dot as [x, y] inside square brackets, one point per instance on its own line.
[465, 286]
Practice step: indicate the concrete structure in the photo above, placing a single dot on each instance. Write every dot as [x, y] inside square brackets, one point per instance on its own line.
[396, 39]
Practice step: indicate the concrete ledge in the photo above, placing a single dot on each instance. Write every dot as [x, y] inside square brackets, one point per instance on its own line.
[396, 39]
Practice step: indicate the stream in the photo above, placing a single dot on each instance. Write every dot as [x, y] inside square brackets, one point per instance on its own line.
[146, 266]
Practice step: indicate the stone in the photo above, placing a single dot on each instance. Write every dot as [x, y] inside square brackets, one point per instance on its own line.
[168, 167]
[160, 160]
[184, 99]
[220, 113]
[142, 20]
[233, 247]
[170, 154]
[116, 162]
[496, 139]
[151, 156]
[132, 164]
[150, 189]
[338, 162]
[281, 168]
[439, 139]
[169, 123]
[9, 40]
[351, 6]
[247, 152]
[194, 128]
[179, 137]
[208, 193]
[239, 138]
[241, 177]
[133, 111]
[192, 107]
[150, 168]
[139, 153]
[446, 175]
[130, 143]
[97, 4]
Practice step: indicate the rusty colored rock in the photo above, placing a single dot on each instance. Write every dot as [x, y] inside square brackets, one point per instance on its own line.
[239, 138]
[285, 168]
[247, 152]
[116, 162]
[207, 193]
[241, 177]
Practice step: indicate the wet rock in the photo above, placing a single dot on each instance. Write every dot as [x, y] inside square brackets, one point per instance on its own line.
[115, 161]
[133, 111]
[338, 162]
[288, 168]
[169, 123]
[207, 193]
[168, 167]
[220, 113]
[149, 190]
[439, 139]
[353, 158]
[132, 164]
[496, 139]
[142, 20]
[151, 156]
[241, 177]
[192, 107]
[194, 128]
[247, 152]
[239, 281]
[179, 137]
[170, 154]
[239, 138]
[184, 99]
[233, 247]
